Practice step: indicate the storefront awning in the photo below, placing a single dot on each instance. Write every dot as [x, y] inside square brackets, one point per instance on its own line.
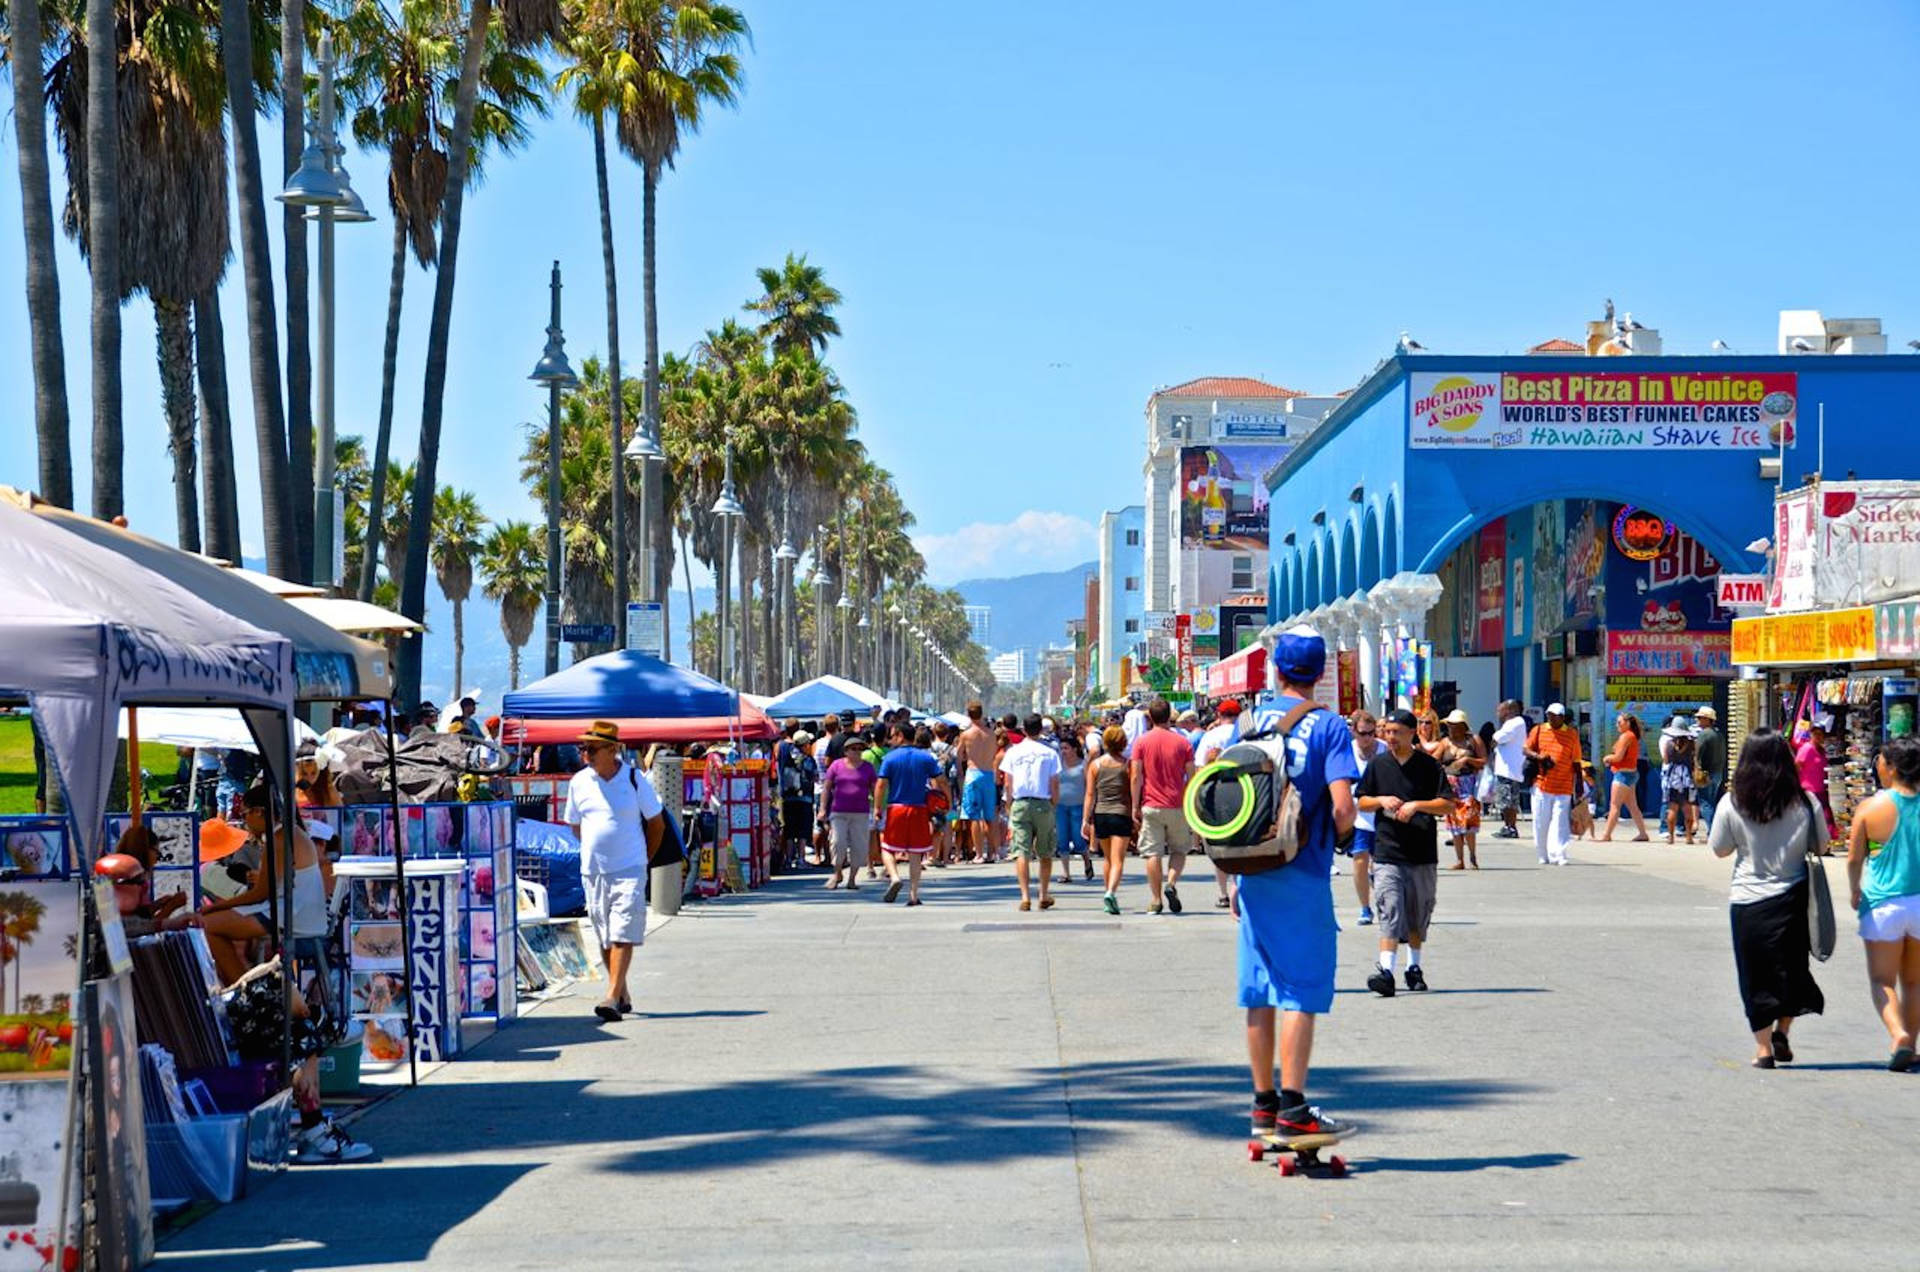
[1242, 673]
[1821, 638]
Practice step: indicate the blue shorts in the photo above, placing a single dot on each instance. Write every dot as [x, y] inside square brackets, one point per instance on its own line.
[1621, 777]
[980, 797]
[1362, 844]
[1289, 940]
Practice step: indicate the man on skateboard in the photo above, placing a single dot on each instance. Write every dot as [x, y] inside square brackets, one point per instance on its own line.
[1288, 936]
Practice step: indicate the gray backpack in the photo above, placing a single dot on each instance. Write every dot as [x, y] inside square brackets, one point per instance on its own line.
[1243, 807]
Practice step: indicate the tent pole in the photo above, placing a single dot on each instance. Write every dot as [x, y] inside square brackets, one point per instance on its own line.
[406, 897]
[134, 799]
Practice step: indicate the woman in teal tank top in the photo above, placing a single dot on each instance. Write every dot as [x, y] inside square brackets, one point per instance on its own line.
[1886, 894]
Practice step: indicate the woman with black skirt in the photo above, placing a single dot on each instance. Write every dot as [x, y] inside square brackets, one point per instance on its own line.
[1767, 824]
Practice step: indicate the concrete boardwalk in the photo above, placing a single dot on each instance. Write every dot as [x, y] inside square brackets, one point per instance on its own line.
[820, 1080]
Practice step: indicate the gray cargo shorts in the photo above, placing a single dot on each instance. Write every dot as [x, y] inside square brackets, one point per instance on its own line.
[1403, 899]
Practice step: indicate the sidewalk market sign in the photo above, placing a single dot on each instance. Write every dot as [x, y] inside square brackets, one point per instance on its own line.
[1844, 543]
[1603, 410]
[1826, 636]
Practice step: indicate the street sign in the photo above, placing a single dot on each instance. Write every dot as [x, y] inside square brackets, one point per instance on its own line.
[587, 633]
[646, 628]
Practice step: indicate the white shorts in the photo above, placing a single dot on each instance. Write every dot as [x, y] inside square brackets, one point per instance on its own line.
[1891, 920]
[617, 908]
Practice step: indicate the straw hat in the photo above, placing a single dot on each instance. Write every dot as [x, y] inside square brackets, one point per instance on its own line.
[601, 731]
[1458, 717]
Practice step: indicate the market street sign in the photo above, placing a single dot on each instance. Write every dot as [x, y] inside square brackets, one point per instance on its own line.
[587, 633]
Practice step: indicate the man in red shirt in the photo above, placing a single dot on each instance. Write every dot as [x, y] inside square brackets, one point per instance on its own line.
[1162, 761]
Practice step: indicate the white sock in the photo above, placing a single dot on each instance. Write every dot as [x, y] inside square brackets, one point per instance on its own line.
[1386, 960]
[1413, 957]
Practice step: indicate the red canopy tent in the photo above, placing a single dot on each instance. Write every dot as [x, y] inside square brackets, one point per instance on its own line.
[752, 724]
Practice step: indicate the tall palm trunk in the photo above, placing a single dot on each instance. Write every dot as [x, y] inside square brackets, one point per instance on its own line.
[513, 666]
[652, 476]
[413, 590]
[459, 646]
[293, 114]
[769, 602]
[51, 423]
[173, 330]
[383, 433]
[221, 497]
[103, 226]
[615, 404]
[263, 362]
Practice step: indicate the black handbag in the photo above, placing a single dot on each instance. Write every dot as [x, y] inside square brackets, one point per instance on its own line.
[1821, 931]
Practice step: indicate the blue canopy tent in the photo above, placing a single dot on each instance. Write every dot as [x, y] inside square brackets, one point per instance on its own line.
[828, 695]
[622, 684]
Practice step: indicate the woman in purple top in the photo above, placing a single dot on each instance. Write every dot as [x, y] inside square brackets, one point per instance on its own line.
[848, 786]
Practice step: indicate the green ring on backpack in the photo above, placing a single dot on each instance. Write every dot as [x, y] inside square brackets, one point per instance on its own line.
[1239, 820]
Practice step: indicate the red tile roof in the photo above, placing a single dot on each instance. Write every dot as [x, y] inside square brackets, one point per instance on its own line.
[1228, 386]
[1557, 345]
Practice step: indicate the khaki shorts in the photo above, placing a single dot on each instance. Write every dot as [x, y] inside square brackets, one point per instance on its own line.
[617, 908]
[1032, 829]
[849, 842]
[1164, 832]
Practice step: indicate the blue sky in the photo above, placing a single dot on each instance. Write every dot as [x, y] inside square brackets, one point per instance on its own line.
[1039, 211]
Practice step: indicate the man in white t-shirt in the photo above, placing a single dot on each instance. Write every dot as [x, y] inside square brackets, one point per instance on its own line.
[1225, 733]
[617, 816]
[1509, 766]
[1033, 786]
[1136, 725]
[1366, 744]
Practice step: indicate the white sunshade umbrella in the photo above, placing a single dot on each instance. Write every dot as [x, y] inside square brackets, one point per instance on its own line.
[202, 728]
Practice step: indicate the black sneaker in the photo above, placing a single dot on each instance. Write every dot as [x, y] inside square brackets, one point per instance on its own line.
[1173, 898]
[1416, 979]
[1381, 982]
[1306, 1119]
[1264, 1119]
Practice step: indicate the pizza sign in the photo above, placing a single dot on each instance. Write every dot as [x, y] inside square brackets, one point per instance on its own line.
[1639, 534]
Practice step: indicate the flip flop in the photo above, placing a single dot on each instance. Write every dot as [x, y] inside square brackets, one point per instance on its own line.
[1901, 1060]
[1763, 1062]
[609, 1012]
[1781, 1050]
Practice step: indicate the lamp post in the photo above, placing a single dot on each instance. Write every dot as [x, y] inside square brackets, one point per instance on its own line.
[644, 450]
[823, 581]
[321, 186]
[553, 371]
[784, 557]
[727, 507]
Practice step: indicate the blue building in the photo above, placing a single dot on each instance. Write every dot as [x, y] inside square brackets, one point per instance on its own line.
[1539, 523]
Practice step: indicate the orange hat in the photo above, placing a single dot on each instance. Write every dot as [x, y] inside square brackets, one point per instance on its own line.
[602, 731]
[219, 839]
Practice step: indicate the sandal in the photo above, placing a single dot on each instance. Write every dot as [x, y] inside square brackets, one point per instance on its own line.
[609, 1012]
[1781, 1050]
[1763, 1062]
[1901, 1060]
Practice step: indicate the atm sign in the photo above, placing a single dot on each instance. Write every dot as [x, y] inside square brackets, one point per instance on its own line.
[1741, 591]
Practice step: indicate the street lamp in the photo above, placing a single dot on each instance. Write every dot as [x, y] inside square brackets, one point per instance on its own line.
[320, 185]
[553, 371]
[643, 450]
[823, 580]
[784, 557]
[728, 508]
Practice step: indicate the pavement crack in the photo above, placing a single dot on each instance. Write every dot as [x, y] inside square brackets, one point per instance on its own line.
[1066, 1098]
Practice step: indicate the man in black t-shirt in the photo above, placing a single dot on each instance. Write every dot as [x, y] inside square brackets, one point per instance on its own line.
[1404, 788]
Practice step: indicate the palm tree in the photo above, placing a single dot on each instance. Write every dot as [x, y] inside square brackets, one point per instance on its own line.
[352, 477]
[458, 525]
[220, 497]
[103, 215]
[526, 22]
[20, 916]
[395, 529]
[51, 422]
[685, 56]
[513, 572]
[263, 362]
[173, 191]
[397, 71]
[797, 305]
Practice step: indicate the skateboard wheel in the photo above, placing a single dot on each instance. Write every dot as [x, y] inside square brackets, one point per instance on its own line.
[1337, 1167]
[1255, 1152]
[1288, 1166]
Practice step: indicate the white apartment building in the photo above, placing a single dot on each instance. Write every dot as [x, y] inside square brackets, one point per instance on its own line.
[980, 624]
[1212, 440]
[1123, 593]
[1015, 667]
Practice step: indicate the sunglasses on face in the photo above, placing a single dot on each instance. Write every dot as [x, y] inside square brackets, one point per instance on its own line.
[1365, 733]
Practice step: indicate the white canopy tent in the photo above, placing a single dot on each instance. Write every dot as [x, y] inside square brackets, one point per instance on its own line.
[202, 728]
[86, 632]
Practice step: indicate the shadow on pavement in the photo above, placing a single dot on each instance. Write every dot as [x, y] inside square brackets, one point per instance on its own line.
[356, 1215]
[1463, 1165]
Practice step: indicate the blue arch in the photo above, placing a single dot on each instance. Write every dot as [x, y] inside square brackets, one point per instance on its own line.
[1299, 585]
[1312, 597]
[1370, 548]
[1390, 540]
[1349, 562]
[1583, 488]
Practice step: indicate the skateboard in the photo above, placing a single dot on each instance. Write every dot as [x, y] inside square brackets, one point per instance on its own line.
[1305, 1154]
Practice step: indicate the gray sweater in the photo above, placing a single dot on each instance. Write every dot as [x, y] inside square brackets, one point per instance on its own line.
[1768, 857]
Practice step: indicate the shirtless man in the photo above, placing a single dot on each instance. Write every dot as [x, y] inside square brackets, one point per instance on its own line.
[979, 794]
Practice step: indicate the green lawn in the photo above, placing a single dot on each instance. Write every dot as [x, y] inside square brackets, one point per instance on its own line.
[16, 765]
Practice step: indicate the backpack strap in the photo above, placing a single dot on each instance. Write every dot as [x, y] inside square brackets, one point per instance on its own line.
[1288, 721]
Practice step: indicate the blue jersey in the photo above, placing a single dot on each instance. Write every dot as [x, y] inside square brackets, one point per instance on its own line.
[1319, 753]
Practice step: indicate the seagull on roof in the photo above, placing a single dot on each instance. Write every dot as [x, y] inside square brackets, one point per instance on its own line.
[1609, 314]
[1409, 345]
[1800, 344]
[1914, 345]
[1633, 324]
[1721, 346]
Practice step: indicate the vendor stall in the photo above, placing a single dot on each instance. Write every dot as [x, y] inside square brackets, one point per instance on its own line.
[1241, 675]
[829, 695]
[83, 633]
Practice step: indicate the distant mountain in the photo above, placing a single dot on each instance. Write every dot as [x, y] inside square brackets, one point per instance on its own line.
[1030, 611]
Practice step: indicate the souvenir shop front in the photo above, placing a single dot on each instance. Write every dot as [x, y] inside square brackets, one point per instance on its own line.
[1830, 668]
